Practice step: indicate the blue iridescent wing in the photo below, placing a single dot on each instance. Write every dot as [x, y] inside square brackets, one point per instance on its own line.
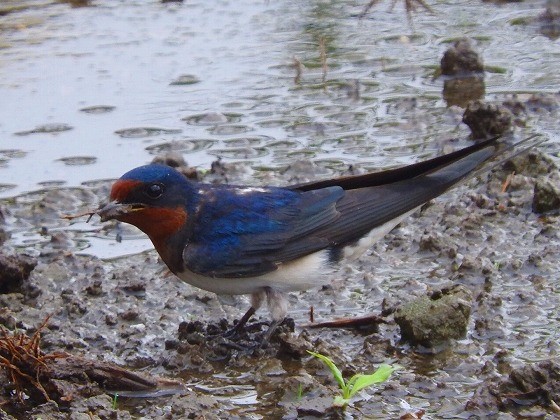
[244, 232]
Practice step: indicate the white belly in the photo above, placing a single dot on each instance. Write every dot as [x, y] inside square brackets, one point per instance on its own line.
[302, 274]
[305, 273]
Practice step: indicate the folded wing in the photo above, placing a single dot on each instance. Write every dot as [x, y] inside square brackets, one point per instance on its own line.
[243, 232]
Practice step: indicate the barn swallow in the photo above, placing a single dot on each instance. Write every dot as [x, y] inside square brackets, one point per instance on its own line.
[267, 241]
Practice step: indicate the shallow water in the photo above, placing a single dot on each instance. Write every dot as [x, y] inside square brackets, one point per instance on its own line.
[379, 105]
[91, 92]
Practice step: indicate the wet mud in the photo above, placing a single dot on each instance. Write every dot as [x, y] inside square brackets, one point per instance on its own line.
[463, 295]
[481, 251]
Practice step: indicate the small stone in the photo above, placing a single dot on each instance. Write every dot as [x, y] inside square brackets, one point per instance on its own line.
[129, 315]
[546, 196]
[95, 289]
[486, 119]
[461, 59]
[433, 320]
[110, 319]
[14, 269]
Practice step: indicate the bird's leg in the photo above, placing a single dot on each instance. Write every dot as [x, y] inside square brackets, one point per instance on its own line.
[257, 299]
[237, 328]
[278, 307]
[266, 337]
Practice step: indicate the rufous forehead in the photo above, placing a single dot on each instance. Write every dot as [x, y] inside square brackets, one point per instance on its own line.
[122, 188]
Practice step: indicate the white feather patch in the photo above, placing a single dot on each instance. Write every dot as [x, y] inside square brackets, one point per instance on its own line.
[374, 235]
[301, 274]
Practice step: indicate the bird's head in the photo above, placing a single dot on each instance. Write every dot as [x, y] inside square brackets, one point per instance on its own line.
[154, 198]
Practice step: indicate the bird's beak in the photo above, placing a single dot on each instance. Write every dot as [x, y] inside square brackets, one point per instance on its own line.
[114, 210]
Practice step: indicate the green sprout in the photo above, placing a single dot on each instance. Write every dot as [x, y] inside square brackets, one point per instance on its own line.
[357, 382]
[299, 395]
[114, 404]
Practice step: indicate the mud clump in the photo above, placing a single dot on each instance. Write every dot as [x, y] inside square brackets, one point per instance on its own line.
[546, 178]
[534, 163]
[461, 59]
[546, 196]
[433, 320]
[14, 270]
[527, 387]
[464, 71]
[486, 120]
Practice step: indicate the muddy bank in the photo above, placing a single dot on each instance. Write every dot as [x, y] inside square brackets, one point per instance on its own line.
[484, 236]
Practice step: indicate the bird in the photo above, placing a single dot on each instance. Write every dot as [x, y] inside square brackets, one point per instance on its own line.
[268, 241]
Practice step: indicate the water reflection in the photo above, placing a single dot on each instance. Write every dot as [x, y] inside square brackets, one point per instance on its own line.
[460, 91]
[550, 20]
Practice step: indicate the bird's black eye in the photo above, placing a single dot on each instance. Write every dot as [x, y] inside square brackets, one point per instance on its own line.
[154, 191]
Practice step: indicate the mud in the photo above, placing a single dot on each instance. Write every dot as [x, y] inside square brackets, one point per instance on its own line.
[133, 313]
[431, 320]
[310, 92]
[487, 120]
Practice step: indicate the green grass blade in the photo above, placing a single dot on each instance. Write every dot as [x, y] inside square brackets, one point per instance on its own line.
[350, 385]
[333, 368]
[360, 381]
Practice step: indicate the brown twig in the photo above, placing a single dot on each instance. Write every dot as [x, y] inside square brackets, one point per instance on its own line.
[75, 216]
[359, 322]
[23, 360]
[507, 182]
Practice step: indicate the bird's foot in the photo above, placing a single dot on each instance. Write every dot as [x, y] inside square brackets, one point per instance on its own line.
[240, 325]
[220, 340]
[252, 339]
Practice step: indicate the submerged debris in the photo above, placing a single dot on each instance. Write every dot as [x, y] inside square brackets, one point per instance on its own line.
[550, 20]
[410, 7]
[46, 129]
[98, 109]
[184, 79]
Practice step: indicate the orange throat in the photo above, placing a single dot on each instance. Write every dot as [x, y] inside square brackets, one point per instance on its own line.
[158, 223]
